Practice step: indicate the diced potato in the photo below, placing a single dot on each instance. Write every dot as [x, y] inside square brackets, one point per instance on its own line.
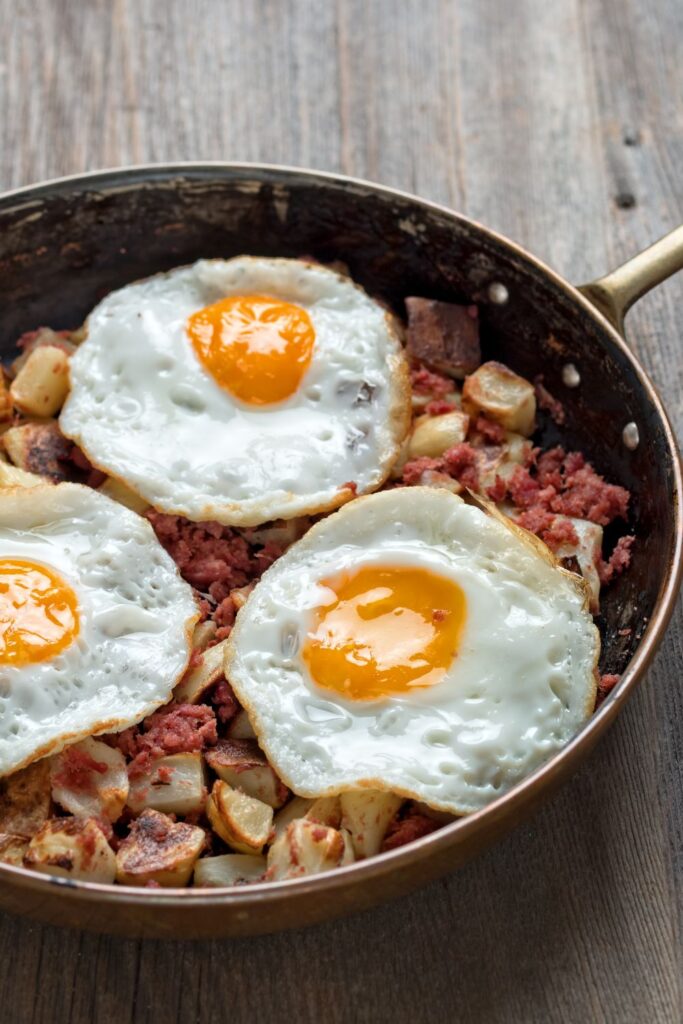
[197, 681]
[90, 779]
[228, 869]
[42, 337]
[174, 785]
[308, 848]
[159, 850]
[25, 803]
[503, 395]
[12, 476]
[501, 460]
[240, 728]
[366, 814]
[38, 448]
[120, 492]
[433, 435]
[6, 410]
[587, 553]
[12, 848]
[204, 632]
[240, 594]
[433, 478]
[243, 765]
[42, 383]
[296, 808]
[72, 848]
[326, 810]
[241, 821]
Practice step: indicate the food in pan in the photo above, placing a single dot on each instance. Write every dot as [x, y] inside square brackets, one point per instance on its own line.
[240, 390]
[380, 651]
[403, 660]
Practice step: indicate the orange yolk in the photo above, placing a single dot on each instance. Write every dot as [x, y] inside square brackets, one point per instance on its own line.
[256, 347]
[38, 612]
[388, 630]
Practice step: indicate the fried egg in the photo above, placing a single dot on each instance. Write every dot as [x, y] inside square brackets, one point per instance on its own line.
[241, 390]
[412, 642]
[95, 621]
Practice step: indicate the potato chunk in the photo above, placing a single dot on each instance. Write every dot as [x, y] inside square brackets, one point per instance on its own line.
[118, 491]
[243, 765]
[42, 383]
[229, 869]
[326, 810]
[296, 808]
[159, 850]
[175, 785]
[12, 848]
[308, 848]
[72, 848]
[503, 395]
[44, 336]
[90, 779]
[366, 813]
[12, 476]
[197, 681]
[241, 821]
[432, 435]
[240, 728]
[25, 800]
[38, 448]
[443, 335]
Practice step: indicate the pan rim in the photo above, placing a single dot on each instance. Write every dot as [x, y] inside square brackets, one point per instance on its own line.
[256, 895]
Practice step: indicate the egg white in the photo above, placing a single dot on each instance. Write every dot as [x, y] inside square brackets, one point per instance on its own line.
[521, 684]
[136, 618]
[145, 410]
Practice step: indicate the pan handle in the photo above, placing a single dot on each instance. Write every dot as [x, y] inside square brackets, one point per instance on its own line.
[615, 293]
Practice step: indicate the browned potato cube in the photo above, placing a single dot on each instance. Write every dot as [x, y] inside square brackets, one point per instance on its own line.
[42, 383]
[228, 869]
[241, 821]
[72, 848]
[308, 848]
[12, 849]
[159, 850]
[90, 779]
[174, 785]
[38, 448]
[120, 492]
[204, 632]
[25, 800]
[197, 681]
[433, 435]
[240, 728]
[296, 808]
[243, 765]
[503, 396]
[40, 338]
[366, 813]
[326, 810]
[12, 476]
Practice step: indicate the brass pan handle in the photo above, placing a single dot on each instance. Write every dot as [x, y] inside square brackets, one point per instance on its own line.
[615, 293]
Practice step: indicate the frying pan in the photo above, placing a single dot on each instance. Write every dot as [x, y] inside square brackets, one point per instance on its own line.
[65, 244]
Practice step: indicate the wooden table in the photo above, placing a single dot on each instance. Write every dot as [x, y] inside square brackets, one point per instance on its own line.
[558, 122]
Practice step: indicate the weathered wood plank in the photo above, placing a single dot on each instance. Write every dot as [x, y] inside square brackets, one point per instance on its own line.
[544, 120]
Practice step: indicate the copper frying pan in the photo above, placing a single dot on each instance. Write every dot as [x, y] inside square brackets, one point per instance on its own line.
[66, 243]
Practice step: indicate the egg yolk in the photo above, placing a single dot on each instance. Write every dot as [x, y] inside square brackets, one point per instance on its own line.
[38, 612]
[256, 347]
[387, 631]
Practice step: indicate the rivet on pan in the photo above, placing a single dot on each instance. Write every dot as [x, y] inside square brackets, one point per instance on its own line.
[498, 293]
[571, 378]
[630, 436]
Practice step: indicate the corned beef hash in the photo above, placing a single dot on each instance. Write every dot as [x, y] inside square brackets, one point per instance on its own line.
[207, 675]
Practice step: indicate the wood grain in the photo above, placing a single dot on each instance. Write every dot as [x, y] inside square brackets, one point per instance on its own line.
[558, 122]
